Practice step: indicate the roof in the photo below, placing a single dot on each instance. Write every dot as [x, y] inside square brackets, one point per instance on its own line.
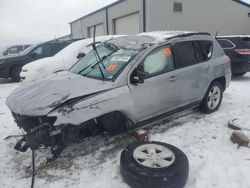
[163, 35]
[232, 36]
[137, 41]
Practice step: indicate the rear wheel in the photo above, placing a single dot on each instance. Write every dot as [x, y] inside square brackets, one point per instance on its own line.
[14, 73]
[239, 74]
[213, 98]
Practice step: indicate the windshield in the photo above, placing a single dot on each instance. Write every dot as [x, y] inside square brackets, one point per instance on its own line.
[113, 61]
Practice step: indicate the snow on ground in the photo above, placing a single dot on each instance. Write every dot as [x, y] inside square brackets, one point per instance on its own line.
[214, 160]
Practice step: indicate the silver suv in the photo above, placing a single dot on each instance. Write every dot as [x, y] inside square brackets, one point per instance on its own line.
[122, 84]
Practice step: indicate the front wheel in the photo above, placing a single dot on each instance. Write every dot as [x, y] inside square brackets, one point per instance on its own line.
[213, 98]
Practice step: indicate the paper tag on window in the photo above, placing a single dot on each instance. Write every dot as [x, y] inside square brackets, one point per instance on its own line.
[124, 59]
[111, 67]
[168, 52]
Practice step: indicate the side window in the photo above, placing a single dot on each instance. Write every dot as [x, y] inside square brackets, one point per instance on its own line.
[159, 61]
[43, 50]
[13, 50]
[38, 51]
[206, 49]
[184, 54]
[56, 47]
[198, 52]
[226, 44]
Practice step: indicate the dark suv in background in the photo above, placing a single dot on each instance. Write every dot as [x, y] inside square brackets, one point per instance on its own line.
[11, 65]
[14, 49]
[238, 49]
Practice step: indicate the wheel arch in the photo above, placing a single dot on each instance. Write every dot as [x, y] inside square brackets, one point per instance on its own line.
[115, 122]
[222, 81]
[13, 66]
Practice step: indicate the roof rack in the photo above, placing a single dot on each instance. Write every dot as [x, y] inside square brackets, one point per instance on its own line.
[188, 35]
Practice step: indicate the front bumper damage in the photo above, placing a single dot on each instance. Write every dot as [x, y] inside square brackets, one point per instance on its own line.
[38, 131]
[41, 132]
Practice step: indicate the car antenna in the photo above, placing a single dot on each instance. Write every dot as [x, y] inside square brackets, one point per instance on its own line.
[97, 54]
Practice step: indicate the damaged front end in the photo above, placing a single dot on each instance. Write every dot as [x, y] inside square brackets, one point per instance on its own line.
[34, 110]
[40, 131]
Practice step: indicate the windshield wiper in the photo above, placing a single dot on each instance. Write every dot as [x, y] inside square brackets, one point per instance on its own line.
[94, 64]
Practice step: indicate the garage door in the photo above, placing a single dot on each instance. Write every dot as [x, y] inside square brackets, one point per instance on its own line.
[99, 30]
[127, 25]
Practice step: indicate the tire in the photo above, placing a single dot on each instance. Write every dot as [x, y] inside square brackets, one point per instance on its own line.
[14, 73]
[213, 98]
[137, 175]
[239, 74]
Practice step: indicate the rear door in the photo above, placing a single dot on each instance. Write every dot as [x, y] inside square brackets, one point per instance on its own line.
[191, 59]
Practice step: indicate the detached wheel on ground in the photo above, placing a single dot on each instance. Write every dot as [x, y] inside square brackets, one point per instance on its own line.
[154, 165]
[213, 98]
[239, 74]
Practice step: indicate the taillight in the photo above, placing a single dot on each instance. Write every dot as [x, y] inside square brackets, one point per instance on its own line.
[243, 51]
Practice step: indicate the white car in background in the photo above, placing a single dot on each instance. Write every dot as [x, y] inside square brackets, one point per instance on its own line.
[63, 60]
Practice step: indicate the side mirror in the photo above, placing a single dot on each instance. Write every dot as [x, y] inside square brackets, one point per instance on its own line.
[5, 53]
[81, 55]
[136, 78]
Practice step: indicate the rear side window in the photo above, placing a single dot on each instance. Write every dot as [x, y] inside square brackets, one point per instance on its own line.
[206, 49]
[198, 53]
[226, 44]
[184, 54]
[56, 47]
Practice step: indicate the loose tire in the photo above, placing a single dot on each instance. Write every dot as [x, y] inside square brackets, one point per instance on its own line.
[14, 73]
[213, 98]
[239, 74]
[154, 165]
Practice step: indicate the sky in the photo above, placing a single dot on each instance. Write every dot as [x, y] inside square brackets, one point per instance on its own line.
[32, 21]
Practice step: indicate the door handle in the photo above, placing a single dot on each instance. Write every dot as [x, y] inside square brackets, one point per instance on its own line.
[172, 78]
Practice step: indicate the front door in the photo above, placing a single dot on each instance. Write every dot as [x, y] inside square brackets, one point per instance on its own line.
[160, 91]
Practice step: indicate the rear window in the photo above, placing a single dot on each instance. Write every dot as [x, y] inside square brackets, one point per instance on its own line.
[226, 44]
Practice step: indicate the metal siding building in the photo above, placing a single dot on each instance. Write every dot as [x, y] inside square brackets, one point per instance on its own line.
[134, 16]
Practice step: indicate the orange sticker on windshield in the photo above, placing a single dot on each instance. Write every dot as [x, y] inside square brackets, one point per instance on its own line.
[111, 67]
[168, 52]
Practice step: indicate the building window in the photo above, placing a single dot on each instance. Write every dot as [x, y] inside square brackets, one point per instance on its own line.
[178, 7]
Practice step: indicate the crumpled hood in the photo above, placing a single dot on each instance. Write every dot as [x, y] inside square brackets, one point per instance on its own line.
[38, 98]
